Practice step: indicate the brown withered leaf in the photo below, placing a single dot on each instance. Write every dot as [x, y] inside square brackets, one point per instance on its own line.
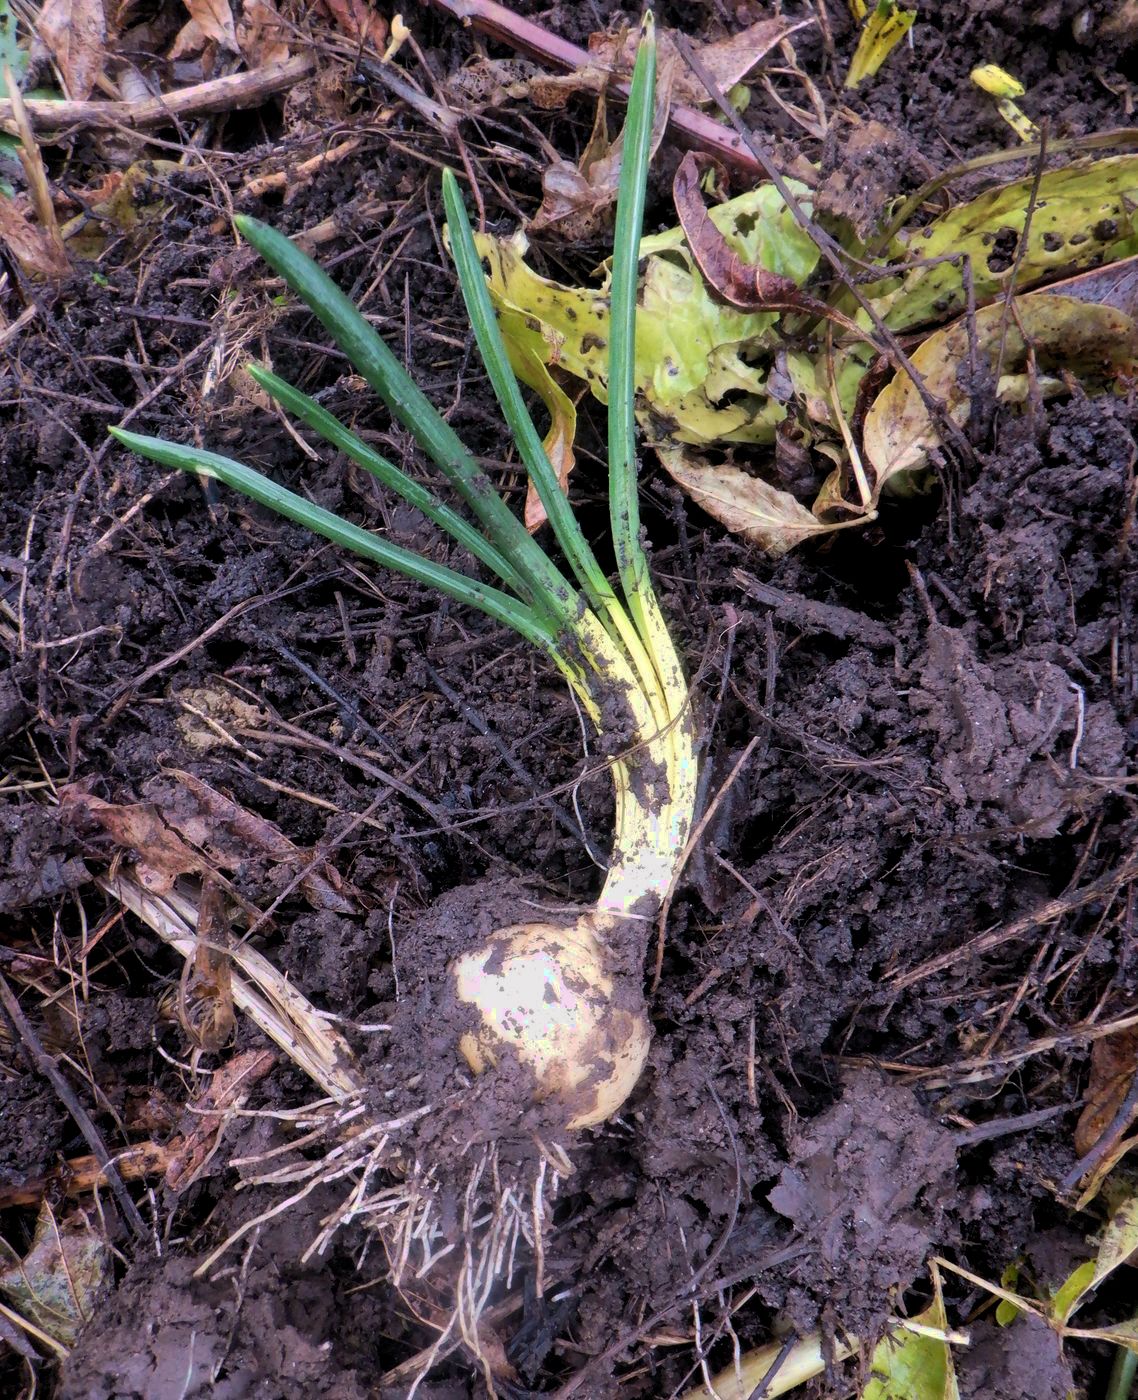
[578, 200]
[359, 22]
[728, 60]
[231, 831]
[746, 505]
[261, 35]
[749, 286]
[191, 829]
[214, 19]
[1114, 1062]
[38, 254]
[139, 826]
[228, 1088]
[205, 990]
[75, 34]
[189, 42]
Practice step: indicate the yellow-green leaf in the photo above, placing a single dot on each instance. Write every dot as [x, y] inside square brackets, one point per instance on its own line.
[1119, 1240]
[1064, 333]
[696, 375]
[914, 1361]
[882, 32]
[1073, 1291]
[1082, 215]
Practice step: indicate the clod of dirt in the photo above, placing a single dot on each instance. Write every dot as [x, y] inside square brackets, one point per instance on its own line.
[869, 1186]
[35, 859]
[164, 1333]
[1009, 729]
[1021, 1362]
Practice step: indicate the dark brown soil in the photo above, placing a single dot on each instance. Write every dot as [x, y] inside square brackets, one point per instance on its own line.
[945, 708]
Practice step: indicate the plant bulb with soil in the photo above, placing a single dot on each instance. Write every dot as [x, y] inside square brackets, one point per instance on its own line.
[540, 1014]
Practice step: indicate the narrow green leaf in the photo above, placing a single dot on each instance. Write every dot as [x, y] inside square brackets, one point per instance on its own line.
[491, 601]
[332, 430]
[624, 503]
[372, 358]
[530, 447]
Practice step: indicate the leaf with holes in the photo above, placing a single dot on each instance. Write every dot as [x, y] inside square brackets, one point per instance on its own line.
[1082, 215]
[700, 365]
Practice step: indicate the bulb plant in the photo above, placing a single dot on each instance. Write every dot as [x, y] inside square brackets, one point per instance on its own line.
[561, 998]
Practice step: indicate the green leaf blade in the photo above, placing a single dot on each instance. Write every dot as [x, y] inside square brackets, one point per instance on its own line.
[332, 430]
[262, 489]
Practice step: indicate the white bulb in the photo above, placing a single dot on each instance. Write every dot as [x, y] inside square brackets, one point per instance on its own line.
[543, 991]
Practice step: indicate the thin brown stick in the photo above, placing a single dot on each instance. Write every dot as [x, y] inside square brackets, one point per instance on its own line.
[43, 1063]
[218, 95]
[80, 1175]
[1047, 913]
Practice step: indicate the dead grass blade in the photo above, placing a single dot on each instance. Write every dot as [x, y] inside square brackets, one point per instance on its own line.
[286, 1016]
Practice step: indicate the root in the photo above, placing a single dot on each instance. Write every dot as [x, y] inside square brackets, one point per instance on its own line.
[452, 1248]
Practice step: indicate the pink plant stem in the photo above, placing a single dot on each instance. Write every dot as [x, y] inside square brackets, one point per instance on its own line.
[689, 127]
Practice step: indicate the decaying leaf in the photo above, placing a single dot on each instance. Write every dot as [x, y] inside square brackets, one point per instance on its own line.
[694, 369]
[36, 252]
[747, 505]
[882, 32]
[729, 61]
[261, 35]
[558, 440]
[75, 34]
[712, 369]
[205, 989]
[1060, 333]
[214, 19]
[912, 1364]
[195, 830]
[359, 21]
[1083, 215]
[124, 202]
[746, 285]
[578, 200]
[1114, 1062]
[57, 1283]
[227, 1090]
[1117, 1243]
